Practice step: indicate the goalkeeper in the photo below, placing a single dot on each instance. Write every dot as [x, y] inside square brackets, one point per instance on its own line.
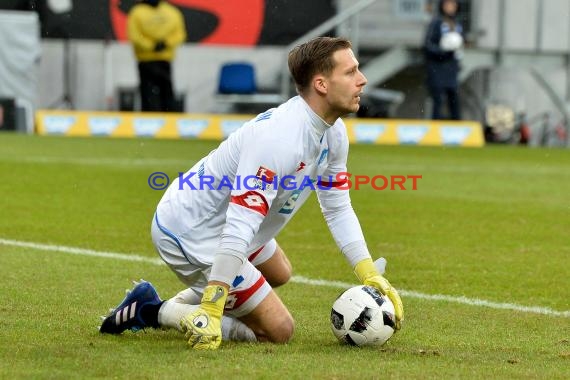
[221, 243]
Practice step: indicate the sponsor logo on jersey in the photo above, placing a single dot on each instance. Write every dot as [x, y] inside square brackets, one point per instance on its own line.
[290, 204]
[252, 200]
[300, 167]
[323, 156]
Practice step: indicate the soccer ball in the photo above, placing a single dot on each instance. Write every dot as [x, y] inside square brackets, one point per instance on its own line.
[361, 316]
[451, 41]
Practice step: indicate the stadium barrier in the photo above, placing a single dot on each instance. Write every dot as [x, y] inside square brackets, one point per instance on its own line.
[217, 127]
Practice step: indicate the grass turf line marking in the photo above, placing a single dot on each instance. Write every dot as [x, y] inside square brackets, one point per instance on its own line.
[96, 161]
[296, 279]
[442, 297]
[153, 162]
[81, 251]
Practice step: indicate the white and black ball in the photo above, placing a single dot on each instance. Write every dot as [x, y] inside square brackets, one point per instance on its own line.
[361, 316]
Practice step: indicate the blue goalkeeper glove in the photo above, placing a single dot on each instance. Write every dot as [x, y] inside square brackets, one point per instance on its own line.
[203, 327]
[368, 275]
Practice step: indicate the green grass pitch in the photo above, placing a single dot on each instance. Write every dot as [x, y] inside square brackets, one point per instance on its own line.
[491, 224]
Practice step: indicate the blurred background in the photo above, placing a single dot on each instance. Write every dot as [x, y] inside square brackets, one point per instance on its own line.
[74, 55]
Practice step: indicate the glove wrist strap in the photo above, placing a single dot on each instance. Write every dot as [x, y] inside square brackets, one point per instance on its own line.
[365, 269]
[214, 300]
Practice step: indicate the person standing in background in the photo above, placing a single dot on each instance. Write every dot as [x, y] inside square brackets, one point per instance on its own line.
[156, 29]
[442, 44]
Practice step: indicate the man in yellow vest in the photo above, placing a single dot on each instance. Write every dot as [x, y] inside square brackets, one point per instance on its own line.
[155, 28]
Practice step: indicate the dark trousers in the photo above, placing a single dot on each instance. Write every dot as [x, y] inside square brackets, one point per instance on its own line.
[452, 94]
[156, 86]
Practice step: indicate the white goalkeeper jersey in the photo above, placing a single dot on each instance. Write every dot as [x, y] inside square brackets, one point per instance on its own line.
[244, 192]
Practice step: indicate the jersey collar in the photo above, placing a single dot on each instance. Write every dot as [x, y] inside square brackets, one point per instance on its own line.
[317, 123]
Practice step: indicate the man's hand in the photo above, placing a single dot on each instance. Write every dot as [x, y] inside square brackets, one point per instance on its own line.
[368, 275]
[203, 327]
[160, 46]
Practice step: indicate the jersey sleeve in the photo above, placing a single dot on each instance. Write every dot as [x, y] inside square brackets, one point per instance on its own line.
[134, 32]
[178, 35]
[263, 160]
[335, 202]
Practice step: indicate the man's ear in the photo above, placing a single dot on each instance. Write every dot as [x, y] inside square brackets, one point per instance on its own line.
[320, 84]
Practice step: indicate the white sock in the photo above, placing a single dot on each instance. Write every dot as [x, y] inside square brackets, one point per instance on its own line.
[171, 313]
[236, 330]
[187, 296]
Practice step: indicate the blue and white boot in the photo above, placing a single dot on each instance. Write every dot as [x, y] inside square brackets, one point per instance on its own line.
[127, 316]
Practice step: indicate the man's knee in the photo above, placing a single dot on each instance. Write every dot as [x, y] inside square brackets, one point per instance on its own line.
[282, 332]
[270, 320]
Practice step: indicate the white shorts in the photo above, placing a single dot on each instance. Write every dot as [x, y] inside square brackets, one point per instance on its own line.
[242, 298]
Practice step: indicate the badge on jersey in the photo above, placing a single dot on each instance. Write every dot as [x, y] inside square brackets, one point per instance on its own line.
[264, 174]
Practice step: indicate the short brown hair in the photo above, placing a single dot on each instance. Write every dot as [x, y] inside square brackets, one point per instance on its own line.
[314, 57]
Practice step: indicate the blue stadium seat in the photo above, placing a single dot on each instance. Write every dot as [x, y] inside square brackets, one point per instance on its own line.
[237, 78]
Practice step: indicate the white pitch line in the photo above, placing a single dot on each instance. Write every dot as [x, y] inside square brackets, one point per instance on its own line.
[81, 251]
[297, 279]
[98, 161]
